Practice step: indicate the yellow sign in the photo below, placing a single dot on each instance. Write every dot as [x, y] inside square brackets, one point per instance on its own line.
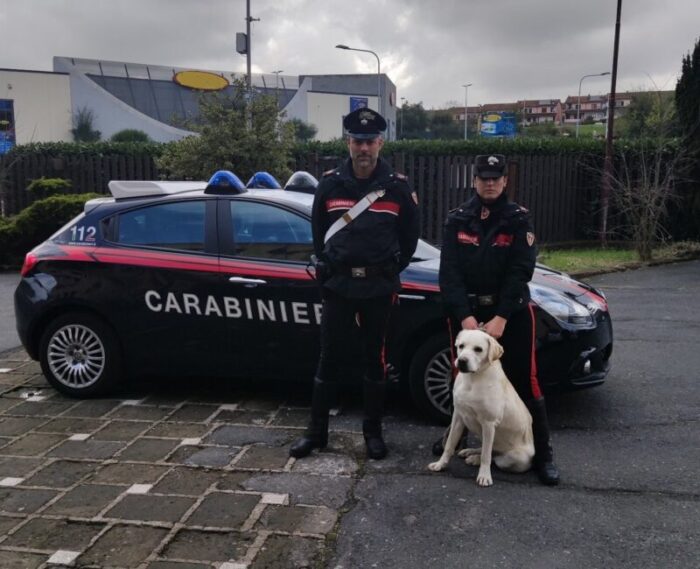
[201, 80]
[492, 118]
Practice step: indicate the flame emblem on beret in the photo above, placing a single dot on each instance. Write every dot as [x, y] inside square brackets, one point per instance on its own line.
[492, 160]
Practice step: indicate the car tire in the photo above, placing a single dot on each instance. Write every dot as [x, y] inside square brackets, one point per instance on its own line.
[430, 378]
[80, 355]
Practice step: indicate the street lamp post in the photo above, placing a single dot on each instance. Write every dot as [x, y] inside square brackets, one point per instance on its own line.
[277, 84]
[379, 75]
[466, 116]
[578, 106]
[403, 103]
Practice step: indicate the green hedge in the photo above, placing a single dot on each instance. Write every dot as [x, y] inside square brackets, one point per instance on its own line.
[36, 223]
[56, 149]
[520, 146]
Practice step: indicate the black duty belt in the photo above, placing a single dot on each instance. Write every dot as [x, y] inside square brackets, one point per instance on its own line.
[365, 272]
[484, 299]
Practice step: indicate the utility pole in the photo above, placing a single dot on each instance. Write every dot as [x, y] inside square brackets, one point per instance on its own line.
[248, 20]
[608, 165]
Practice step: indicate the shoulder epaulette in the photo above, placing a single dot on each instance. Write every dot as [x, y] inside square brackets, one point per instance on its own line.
[328, 172]
[401, 177]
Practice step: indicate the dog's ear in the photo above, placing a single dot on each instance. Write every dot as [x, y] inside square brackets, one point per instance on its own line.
[495, 350]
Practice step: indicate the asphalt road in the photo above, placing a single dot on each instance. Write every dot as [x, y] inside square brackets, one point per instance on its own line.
[8, 334]
[628, 452]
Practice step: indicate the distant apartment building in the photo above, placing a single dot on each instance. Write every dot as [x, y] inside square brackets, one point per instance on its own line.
[594, 107]
[540, 111]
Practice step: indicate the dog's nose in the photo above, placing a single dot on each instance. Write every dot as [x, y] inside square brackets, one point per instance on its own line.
[463, 366]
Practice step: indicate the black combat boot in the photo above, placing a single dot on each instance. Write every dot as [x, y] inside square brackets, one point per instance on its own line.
[374, 393]
[544, 456]
[316, 435]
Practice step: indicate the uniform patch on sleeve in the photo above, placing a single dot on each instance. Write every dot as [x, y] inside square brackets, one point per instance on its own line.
[414, 196]
[467, 238]
[530, 238]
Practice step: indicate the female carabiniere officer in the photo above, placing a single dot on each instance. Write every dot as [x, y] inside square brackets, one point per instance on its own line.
[365, 230]
[487, 259]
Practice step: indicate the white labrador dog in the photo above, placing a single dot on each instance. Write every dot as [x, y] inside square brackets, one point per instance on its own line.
[488, 405]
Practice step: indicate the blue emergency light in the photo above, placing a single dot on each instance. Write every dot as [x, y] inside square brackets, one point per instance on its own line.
[263, 180]
[224, 182]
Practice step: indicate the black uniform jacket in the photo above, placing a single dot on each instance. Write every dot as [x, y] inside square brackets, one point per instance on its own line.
[487, 250]
[382, 238]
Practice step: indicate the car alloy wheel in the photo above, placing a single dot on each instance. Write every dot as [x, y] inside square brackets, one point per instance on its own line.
[80, 355]
[438, 382]
[430, 377]
[76, 356]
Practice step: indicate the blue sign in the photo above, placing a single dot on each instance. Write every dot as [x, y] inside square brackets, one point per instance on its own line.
[7, 125]
[498, 125]
[358, 103]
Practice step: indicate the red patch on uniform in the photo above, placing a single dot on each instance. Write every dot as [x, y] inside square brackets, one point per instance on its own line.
[333, 205]
[467, 238]
[385, 207]
[503, 240]
[485, 212]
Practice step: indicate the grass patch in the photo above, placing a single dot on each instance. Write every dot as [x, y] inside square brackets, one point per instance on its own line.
[596, 259]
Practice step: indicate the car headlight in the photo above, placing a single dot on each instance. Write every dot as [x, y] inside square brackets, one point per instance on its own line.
[561, 307]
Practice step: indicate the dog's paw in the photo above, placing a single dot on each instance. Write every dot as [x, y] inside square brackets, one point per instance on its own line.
[473, 460]
[464, 453]
[437, 466]
[484, 479]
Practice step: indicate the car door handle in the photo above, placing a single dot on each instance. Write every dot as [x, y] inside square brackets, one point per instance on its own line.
[247, 281]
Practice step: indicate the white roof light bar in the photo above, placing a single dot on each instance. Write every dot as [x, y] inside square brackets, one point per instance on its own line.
[141, 188]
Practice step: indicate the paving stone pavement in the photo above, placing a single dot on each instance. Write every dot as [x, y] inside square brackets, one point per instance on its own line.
[190, 480]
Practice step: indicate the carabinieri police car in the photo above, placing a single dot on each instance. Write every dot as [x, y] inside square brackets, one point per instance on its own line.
[190, 278]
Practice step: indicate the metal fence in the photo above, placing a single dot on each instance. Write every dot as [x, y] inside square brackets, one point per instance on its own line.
[560, 190]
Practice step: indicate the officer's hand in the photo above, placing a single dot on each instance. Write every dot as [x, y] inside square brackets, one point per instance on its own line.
[470, 323]
[495, 327]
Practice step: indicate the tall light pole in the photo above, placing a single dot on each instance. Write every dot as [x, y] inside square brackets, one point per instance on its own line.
[578, 106]
[403, 103]
[379, 75]
[277, 84]
[466, 116]
[248, 20]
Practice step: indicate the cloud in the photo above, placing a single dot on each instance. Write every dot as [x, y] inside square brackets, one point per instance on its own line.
[508, 49]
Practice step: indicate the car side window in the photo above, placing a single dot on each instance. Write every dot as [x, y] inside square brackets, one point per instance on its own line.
[177, 225]
[269, 232]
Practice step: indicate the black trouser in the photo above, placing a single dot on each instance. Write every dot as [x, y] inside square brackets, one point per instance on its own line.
[339, 320]
[518, 341]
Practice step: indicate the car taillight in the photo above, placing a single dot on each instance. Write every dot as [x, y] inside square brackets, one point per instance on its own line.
[29, 261]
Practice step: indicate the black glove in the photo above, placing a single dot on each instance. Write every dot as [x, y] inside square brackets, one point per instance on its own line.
[322, 269]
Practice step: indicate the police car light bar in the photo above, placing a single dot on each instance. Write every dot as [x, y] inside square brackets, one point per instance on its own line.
[225, 182]
[121, 189]
[263, 180]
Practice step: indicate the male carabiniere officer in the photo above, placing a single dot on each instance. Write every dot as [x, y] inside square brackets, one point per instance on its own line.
[487, 258]
[365, 230]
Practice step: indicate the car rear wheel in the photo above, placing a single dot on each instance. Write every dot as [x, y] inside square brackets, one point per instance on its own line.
[79, 355]
[430, 378]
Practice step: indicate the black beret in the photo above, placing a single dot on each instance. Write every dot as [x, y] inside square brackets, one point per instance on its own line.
[364, 123]
[490, 166]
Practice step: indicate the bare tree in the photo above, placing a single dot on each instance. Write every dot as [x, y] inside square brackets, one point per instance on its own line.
[643, 186]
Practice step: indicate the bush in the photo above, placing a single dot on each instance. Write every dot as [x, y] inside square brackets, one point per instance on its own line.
[45, 187]
[36, 223]
[130, 135]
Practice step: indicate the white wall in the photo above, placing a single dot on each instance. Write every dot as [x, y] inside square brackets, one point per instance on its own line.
[42, 105]
[326, 111]
[111, 114]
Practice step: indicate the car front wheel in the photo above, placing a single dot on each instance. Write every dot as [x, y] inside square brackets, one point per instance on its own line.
[80, 356]
[430, 378]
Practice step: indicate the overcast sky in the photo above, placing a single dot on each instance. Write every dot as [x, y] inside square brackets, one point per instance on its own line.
[507, 49]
